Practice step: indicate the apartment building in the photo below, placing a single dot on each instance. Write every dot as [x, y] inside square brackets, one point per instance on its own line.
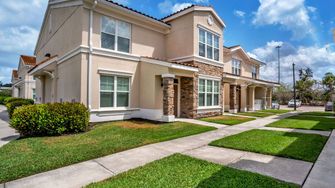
[124, 64]
[23, 84]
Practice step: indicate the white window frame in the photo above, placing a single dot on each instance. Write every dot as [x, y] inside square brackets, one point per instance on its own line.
[115, 107]
[213, 41]
[116, 34]
[236, 68]
[206, 92]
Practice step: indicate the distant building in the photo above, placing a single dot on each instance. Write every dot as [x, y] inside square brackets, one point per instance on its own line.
[23, 84]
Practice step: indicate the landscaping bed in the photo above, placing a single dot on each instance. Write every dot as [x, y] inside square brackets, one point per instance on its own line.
[306, 121]
[227, 120]
[299, 146]
[33, 155]
[183, 171]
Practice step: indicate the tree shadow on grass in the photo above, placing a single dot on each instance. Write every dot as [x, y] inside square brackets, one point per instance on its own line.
[312, 122]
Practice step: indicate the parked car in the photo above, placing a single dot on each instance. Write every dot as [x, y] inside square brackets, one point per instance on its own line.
[291, 103]
[275, 105]
[329, 106]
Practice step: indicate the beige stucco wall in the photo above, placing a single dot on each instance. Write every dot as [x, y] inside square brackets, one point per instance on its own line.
[115, 65]
[144, 41]
[26, 83]
[179, 41]
[69, 83]
[65, 35]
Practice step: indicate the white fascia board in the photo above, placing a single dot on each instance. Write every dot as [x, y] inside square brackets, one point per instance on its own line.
[43, 65]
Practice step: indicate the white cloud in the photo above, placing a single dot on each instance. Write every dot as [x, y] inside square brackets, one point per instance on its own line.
[239, 13]
[311, 9]
[167, 7]
[202, 1]
[319, 59]
[292, 15]
[15, 39]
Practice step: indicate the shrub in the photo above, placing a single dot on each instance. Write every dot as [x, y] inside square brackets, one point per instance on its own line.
[11, 99]
[2, 99]
[5, 93]
[12, 105]
[50, 119]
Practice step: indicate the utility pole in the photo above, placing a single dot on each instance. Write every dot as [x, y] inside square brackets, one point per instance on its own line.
[278, 47]
[294, 91]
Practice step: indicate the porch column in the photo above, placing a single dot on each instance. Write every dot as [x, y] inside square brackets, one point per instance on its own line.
[168, 98]
[233, 99]
[226, 97]
[243, 98]
[269, 97]
[251, 98]
[264, 98]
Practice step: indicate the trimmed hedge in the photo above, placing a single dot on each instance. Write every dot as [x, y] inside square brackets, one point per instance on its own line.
[2, 99]
[50, 119]
[13, 104]
[12, 99]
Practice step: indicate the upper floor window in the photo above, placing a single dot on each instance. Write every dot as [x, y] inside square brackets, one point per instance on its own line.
[208, 45]
[115, 34]
[236, 67]
[254, 72]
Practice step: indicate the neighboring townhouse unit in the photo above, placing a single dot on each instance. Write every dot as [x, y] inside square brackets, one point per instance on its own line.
[124, 64]
[243, 90]
[23, 84]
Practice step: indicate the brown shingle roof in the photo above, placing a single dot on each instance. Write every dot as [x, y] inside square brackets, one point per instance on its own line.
[138, 12]
[28, 60]
[15, 74]
[179, 63]
[39, 63]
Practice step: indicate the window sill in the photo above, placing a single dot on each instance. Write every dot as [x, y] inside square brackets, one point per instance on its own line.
[209, 108]
[120, 109]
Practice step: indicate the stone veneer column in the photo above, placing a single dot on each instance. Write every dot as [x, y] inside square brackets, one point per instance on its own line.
[265, 98]
[244, 96]
[251, 98]
[188, 95]
[233, 99]
[168, 98]
[269, 98]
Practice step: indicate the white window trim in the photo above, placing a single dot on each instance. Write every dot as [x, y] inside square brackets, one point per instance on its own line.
[116, 34]
[213, 93]
[212, 46]
[115, 91]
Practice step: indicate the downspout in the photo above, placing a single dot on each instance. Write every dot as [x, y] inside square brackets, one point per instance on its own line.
[89, 79]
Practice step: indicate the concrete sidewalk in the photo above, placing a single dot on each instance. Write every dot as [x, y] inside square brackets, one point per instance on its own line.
[288, 170]
[7, 134]
[323, 171]
[95, 170]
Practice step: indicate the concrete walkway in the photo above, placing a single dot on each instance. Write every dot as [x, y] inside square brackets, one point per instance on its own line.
[322, 133]
[7, 134]
[323, 171]
[289, 170]
[99, 169]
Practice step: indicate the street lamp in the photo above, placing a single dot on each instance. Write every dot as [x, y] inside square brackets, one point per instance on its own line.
[278, 47]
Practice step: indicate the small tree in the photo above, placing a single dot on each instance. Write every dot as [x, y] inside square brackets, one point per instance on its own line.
[283, 94]
[305, 84]
[328, 82]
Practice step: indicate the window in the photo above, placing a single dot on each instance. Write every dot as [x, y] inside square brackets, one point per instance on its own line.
[115, 34]
[34, 94]
[208, 45]
[114, 91]
[236, 67]
[209, 91]
[254, 72]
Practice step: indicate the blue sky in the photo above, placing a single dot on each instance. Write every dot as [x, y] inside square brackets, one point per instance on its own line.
[302, 27]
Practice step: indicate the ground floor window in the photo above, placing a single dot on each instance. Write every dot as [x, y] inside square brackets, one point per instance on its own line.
[114, 91]
[209, 91]
[34, 94]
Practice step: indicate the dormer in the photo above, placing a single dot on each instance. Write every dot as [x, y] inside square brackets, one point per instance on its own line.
[239, 63]
[196, 32]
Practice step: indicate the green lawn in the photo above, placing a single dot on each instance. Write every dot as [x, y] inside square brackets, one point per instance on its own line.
[227, 120]
[300, 146]
[29, 156]
[264, 113]
[318, 113]
[183, 171]
[306, 122]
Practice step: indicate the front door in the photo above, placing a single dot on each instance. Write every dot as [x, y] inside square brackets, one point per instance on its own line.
[175, 98]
